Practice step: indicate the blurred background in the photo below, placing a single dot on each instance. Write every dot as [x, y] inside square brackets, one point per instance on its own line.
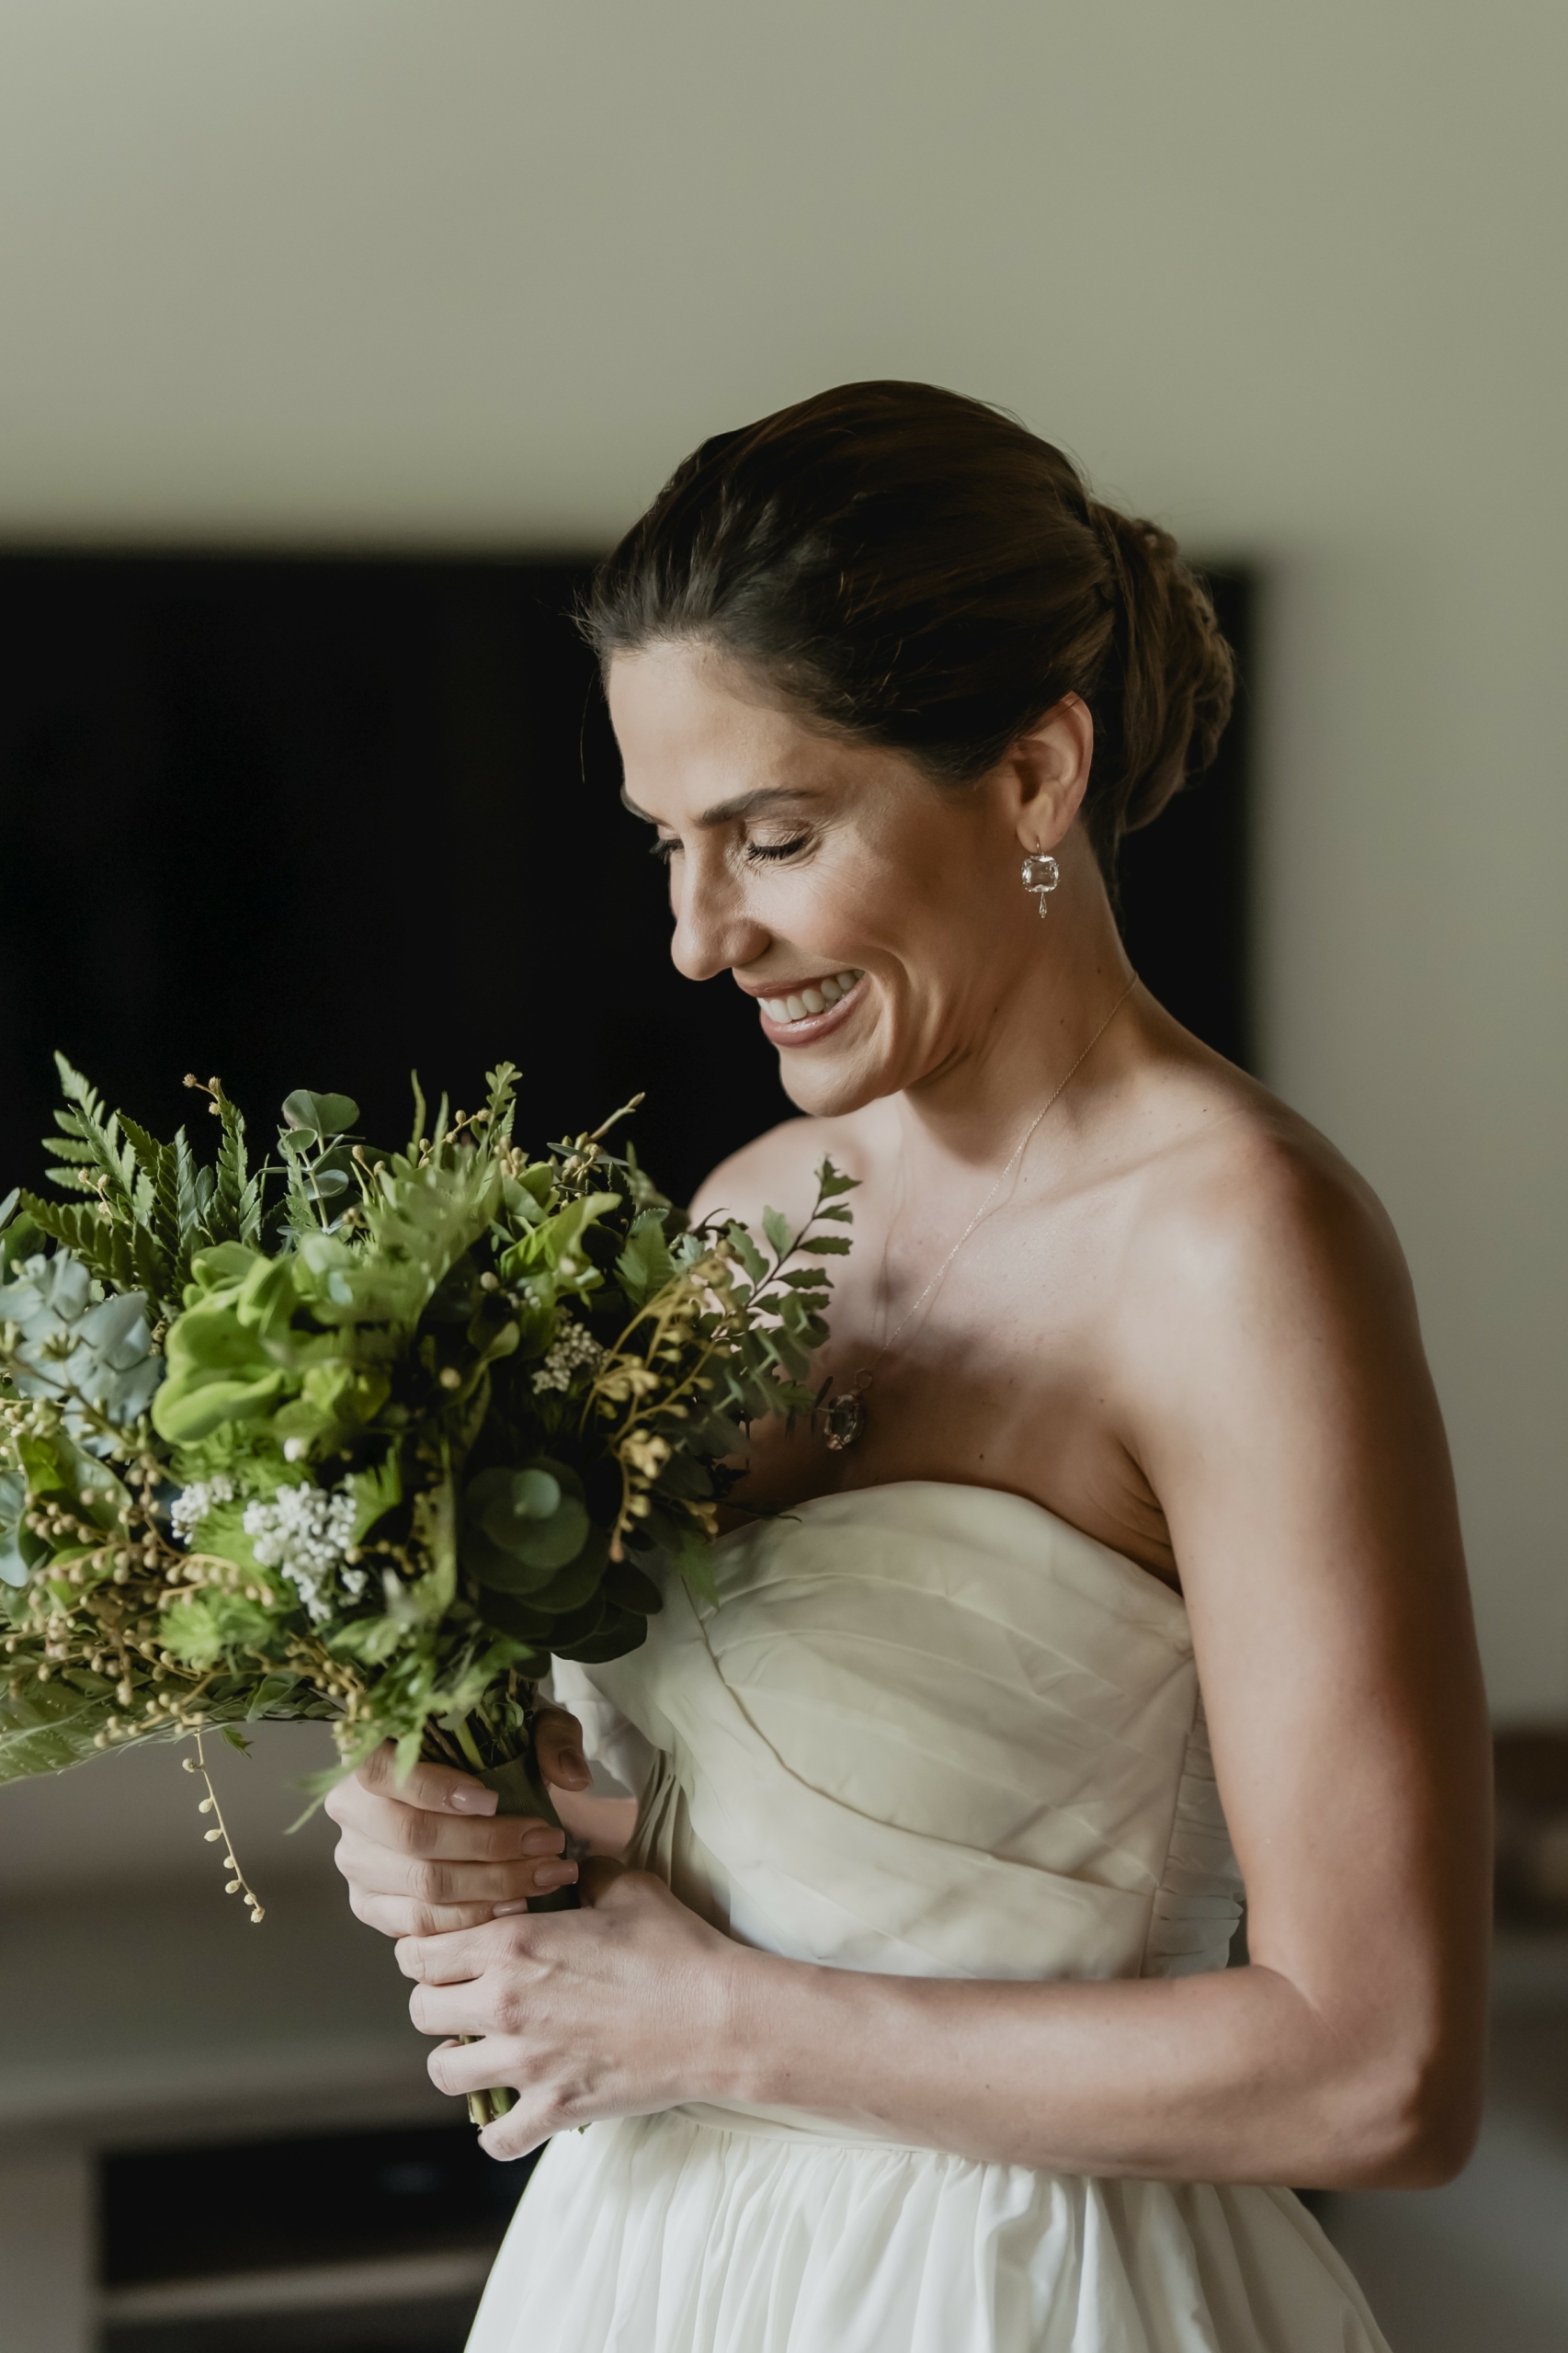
[334, 344]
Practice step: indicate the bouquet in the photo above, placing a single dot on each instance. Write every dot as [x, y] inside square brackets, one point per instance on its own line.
[364, 1436]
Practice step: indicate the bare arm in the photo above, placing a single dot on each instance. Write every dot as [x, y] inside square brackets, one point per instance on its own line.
[1275, 1395]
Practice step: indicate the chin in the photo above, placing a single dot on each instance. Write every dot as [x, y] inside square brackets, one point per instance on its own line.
[829, 1087]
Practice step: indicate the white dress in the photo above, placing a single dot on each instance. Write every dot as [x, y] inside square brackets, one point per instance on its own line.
[931, 1731]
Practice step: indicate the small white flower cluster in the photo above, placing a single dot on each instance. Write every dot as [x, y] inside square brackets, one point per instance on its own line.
[191, 1506]
[307, 1533]
[573, 1347]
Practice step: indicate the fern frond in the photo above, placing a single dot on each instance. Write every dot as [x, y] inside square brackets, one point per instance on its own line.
[102, 1246]
[186, 1191]
[503, 1084]
[152, 1269]
[73, 1180]
[87, 1124]
[154, 1189]
[234, 1213]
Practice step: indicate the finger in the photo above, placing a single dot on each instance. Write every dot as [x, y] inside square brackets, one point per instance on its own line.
[385, 1822]
[399, 1916]
[447, 2010]
[447, 1961]
[380, 1871]
[458, 2068]
[522, 2129]
[558, 1744]
[439, 1789]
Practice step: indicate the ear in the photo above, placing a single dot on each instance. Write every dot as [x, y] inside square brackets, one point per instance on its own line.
[1048, 770]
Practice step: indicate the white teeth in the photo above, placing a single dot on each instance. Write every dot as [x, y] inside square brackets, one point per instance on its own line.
[804, 1005]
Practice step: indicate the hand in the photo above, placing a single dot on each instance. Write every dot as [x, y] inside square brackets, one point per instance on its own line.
[618, 2009]
[431, 1853]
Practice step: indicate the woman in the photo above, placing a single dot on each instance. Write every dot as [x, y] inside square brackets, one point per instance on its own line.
[913, 2026]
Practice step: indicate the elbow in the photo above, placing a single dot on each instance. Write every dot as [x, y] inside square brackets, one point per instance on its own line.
[1410, 2123]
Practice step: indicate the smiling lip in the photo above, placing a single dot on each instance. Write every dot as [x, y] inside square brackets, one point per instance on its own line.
[800, 1015]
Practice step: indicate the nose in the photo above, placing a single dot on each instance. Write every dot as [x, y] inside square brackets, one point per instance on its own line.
[714, 932]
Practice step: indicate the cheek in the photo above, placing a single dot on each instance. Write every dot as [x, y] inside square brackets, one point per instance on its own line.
[855, 901]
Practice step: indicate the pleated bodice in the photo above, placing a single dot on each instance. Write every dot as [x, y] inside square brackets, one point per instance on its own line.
[932, 1731]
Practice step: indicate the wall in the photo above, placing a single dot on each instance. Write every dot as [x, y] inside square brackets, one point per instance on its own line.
[386, 272]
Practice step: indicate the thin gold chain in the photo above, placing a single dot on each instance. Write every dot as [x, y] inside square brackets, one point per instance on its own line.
[863, 1379]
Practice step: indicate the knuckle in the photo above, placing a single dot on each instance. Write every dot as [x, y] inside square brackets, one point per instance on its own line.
[376, 1771]
[413, 1832]
[508, 2008]
[429, 1882]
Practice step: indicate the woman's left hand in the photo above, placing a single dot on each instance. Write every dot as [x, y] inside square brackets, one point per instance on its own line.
[617, 2009]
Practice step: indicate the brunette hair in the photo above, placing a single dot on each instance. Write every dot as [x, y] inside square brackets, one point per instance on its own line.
[915, 568]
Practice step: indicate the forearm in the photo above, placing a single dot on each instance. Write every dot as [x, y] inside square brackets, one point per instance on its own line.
[1231, 2077]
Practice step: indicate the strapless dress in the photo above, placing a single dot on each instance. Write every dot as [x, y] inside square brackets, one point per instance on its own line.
[931, 1731]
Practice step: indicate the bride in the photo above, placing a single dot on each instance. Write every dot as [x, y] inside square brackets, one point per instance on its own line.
[910, 2027]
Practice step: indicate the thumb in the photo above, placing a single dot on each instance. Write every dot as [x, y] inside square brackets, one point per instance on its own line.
[558, 1744]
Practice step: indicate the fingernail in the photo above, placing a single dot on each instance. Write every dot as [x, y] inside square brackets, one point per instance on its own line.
[472, 1800]
[500, 1909]
[542, 1842]
[554, 1875]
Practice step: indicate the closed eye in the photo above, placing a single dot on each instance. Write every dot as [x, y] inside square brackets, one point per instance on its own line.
[664, 849]
[771, 850]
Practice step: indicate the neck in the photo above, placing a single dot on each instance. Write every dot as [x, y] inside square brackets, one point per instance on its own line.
[1020, 1045]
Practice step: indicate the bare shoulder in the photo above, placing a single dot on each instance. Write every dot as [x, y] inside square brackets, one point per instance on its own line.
[1244, 1218]
[778, 1170]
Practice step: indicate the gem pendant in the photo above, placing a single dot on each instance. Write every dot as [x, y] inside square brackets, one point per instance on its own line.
[843, 1419]
[1040, 875]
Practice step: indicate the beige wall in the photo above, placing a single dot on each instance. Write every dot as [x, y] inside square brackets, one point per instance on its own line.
[1291, 276]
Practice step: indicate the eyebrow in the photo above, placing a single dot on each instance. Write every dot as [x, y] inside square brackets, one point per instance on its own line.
[744, 804]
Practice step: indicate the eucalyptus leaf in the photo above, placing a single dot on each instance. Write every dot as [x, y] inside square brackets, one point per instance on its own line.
[324, 1116]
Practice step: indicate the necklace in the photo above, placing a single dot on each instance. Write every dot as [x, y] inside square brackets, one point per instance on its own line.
[844, 1417]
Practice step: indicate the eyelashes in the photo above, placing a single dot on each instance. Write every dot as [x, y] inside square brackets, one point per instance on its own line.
[759, 852]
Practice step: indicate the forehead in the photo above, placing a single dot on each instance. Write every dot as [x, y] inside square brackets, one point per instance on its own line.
[695, 735]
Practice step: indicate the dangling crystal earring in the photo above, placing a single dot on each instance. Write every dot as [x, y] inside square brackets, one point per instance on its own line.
[1041, 875]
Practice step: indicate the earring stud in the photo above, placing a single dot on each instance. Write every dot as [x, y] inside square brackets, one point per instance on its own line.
[1041, 875]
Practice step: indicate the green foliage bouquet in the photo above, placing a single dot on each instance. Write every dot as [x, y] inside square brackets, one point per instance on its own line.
[364, 1436]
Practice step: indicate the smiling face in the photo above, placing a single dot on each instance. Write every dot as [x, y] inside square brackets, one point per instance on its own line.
[874, 915]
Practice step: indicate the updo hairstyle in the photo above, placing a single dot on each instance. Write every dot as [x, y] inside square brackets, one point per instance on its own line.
[915, 569]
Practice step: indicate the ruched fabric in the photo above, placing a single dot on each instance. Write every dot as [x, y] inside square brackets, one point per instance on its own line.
[932, 1731]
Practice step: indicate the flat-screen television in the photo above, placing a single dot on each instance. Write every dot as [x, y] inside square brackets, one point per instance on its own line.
[317, 822]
